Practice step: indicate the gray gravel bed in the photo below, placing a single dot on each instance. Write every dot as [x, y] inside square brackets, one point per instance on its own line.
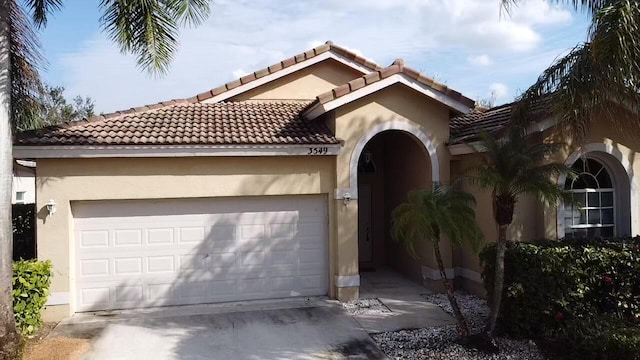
[366, 307]
[439, 342]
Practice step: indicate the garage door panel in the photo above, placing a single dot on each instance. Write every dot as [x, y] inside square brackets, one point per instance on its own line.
[170, 252]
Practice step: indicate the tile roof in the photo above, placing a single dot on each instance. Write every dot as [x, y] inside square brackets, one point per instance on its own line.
[467, 127]
[226, 123]
[328, 46]
[397, 67]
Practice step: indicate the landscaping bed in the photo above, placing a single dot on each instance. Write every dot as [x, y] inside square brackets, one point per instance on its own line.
[440, 342]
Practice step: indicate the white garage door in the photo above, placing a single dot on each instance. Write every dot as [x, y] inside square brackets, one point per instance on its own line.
[132, 254]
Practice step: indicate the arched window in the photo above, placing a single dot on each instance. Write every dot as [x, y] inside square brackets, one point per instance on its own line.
[593, 213]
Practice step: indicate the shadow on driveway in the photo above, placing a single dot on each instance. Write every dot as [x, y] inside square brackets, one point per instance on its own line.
[318, 332]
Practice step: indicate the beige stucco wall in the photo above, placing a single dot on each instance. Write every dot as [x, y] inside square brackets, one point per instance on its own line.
[394, 105]
[532, 220]
[626, 143]
[304, 84]
[67, 180]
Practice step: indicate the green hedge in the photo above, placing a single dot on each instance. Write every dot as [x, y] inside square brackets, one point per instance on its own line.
[555, 288]
[31, 280]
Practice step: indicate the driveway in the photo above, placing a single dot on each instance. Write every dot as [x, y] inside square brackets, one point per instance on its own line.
[319, 331]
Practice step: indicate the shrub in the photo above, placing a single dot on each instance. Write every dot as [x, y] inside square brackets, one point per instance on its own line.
[581, 297]
[31, 280]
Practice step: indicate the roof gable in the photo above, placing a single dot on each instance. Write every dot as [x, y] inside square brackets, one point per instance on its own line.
[382, 78]
[286, 67]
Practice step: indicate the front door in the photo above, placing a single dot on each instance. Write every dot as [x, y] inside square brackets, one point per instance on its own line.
[365, 236]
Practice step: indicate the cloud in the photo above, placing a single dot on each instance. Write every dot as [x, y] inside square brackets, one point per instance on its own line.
[480, 60]
[499, 90]
[239, 73]
[244, 35]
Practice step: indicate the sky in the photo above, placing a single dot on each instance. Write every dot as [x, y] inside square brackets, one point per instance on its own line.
[470, 45]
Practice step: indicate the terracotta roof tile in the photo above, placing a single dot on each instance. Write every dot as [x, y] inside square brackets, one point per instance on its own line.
[226, 123]
[467, 127]
[397, 67]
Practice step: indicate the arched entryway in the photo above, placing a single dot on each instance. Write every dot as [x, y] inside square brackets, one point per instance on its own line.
[391, 163]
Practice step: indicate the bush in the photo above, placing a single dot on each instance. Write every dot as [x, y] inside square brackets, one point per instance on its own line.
[585, 293]
[24, 231]
[31, 280]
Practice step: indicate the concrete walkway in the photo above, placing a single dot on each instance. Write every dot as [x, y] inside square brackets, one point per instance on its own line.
[409, 310]
[287, 330]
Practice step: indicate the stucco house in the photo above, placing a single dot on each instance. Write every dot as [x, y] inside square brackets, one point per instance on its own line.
[281, 184]
[24, 182]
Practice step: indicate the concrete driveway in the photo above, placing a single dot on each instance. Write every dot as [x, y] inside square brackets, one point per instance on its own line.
[318, 330]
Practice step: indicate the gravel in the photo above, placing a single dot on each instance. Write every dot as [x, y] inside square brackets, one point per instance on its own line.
[440, 342]
[366, 307]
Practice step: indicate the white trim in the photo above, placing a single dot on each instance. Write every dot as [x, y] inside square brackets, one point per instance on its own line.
[49, 152]
[58, 298]
[434, 274]
[390, 125]
[468, 274]
[344, 281]
[628, 167]
[320, 109]
[286, 71]
[466, 148]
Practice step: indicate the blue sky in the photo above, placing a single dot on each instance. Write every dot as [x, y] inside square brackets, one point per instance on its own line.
[466, 44]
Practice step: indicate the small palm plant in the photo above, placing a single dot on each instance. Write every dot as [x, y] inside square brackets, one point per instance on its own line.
[513, 166]
[430, 214]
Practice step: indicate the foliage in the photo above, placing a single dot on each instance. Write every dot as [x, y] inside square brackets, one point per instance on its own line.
[24, 228]
[596, 337]
[430, 213]
[603, 70]
[31, 280]
[426, 216]
[550, 283]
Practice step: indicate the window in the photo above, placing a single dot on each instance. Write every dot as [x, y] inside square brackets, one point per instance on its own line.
[593, 192]
[20, 197]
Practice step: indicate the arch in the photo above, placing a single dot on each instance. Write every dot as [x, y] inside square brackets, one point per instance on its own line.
[392, 125]
[614, 154]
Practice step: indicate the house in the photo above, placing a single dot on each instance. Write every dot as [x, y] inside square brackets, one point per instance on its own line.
[24, 182]
[281, 184]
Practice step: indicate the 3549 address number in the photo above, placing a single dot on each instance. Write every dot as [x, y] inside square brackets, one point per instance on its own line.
[318, 151]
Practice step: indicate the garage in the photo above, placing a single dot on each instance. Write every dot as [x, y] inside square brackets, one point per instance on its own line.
[144, 253]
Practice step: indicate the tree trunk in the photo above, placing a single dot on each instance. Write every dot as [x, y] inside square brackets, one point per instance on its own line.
[8, 334]
[463, 326]
[498, 282]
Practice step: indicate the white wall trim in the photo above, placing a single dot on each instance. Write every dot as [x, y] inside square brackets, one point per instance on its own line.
[465, 148]
[390, 125]
[58, 298]
[289, 70]
[434, 274]
[50, 152]
[344, 281]
[400, 78]
[626, 165]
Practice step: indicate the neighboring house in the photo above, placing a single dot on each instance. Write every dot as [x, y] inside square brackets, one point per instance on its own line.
[24, 182]
[281, 184]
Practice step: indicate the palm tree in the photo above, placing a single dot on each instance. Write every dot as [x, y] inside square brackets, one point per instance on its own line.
[513, 166]
[603, 70]
[426, 216]
[148, 29]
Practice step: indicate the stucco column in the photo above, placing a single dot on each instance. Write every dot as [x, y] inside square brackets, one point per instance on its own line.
[347, 279]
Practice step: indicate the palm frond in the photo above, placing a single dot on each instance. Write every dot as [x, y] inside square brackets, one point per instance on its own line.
[26, 62]
[148, 29]
[428, 214]
[41, 9]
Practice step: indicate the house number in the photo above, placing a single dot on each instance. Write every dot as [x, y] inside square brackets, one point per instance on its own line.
[318, 151]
